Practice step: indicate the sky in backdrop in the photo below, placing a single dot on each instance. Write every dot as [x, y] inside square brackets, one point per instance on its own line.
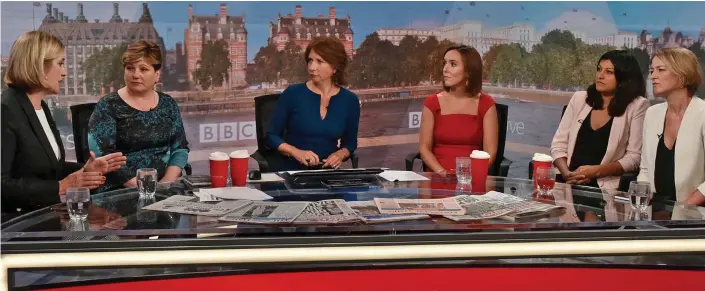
[171, 18]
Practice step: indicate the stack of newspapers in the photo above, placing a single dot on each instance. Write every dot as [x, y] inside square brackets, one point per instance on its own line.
[380, 210]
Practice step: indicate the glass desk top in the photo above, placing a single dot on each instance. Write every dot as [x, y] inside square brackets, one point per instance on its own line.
[118, 215]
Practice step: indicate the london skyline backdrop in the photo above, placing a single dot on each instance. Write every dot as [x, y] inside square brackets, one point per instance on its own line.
[368, 16]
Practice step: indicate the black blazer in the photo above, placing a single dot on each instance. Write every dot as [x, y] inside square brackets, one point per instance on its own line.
[30, 170]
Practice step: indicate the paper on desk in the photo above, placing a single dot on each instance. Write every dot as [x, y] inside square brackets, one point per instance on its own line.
[402, 176]
[267, 177]
[236, 193]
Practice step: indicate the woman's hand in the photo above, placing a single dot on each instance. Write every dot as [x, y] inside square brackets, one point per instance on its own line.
[105, 164]
[307, 158]
[81, 178]
[334, 160]
[585, 174]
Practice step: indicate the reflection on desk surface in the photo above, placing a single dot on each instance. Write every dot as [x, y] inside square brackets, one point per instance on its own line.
[119, 214]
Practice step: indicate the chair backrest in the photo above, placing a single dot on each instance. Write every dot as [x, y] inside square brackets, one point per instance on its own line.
[563, 112]
[80, 116]
[502, 119]
[264, 109]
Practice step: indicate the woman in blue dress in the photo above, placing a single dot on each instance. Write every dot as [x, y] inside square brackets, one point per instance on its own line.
[316, 121]
[143, 124]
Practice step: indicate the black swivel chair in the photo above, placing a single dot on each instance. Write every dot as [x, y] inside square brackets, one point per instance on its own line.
[80, 116]
[624, 180]
[501, 165]
[265, 155]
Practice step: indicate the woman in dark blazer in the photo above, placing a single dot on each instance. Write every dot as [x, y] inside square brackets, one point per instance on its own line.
[34, 170]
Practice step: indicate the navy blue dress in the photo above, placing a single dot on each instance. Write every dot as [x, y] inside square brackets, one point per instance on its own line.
[149, 139]
[297, 121]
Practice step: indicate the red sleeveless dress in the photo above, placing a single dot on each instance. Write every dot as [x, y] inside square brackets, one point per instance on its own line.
[456, 135]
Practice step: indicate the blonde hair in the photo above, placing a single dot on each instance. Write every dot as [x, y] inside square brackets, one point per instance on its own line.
[149, 51]
[32, 54]
[685, 65]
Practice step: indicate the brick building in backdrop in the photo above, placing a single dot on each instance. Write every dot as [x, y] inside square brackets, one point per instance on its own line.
[202, 29]
[80, 37]
[303, 29]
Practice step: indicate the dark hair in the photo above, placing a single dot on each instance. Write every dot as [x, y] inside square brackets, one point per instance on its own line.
[146, 50]
[472, 64]
[630, 83]
[332, 50]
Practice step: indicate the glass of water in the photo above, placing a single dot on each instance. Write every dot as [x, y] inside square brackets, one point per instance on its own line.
[77, 202]
[640, 195]
[463, 170]
[147, 181]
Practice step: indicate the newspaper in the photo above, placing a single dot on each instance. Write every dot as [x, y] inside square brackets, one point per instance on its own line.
[267, 212]
[327, 211]
[192, 205]
[419, 206]
[369, 213]
[498, 205]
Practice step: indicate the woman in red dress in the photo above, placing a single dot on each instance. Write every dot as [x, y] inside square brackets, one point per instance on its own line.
[459, 119]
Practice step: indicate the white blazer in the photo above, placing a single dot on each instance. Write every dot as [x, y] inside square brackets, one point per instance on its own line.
[689, 152]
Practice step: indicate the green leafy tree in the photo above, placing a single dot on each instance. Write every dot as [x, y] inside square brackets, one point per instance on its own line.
[509, 66]
[561, 38]
[267, 64]
[426, 50]
[373, 65]
[489, 60]
[293, 64]
[214, 65]
[411, 61]
[104, 69]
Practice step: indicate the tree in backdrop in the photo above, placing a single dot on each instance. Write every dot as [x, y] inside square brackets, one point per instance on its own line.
[104, 69]
[697, 49]
[560, 38]
[427, 50]
[212, 70]
[268, 63]
[293, 64]
[510, 66]
[374, 63]
[411, 64]
[643, 58]
[489, 58]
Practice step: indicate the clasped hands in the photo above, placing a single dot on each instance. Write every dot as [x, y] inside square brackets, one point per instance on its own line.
[582, 175]
[309, 158]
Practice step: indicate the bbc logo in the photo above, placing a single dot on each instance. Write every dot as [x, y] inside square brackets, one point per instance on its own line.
[414, 119]
[229, 131]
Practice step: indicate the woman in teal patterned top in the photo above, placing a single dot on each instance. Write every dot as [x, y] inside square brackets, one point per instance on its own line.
[143, 124]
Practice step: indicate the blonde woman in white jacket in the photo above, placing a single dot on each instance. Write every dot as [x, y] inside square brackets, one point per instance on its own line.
[673, 151]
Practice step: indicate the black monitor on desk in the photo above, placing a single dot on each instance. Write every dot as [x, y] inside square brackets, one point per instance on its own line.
[332, 180]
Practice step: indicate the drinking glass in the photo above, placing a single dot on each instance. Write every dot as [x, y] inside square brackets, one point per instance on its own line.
[640, 195]
[77, 202]
[545, 180]
[147, 181]
[463, 170]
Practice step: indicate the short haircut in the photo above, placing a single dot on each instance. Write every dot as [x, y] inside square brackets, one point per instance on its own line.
[32, 54]
[472, 64]
[630, 83]
[332, 50]
[148, 51]
[685, 65]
